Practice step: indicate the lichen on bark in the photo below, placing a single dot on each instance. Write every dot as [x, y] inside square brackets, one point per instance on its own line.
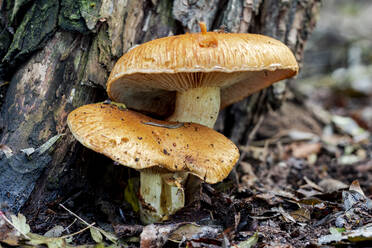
[70, 17]
[36, 28]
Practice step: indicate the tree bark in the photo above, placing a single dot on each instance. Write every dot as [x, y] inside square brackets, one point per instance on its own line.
[58, 55]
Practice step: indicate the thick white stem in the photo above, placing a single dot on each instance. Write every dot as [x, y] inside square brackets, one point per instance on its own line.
[197, 105]
[161, 194]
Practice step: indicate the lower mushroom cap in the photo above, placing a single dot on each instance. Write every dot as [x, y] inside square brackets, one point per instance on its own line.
[140, 142]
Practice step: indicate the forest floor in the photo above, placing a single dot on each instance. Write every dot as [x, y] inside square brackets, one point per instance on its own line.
[297, 186]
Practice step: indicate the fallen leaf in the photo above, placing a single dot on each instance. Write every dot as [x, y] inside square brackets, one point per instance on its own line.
[303, 150]
[156, 235]
[361, 234]
[20, 223]
[351, 127]
[248, 178]
[301, 215]
[96, 235]
[286, 216]
[356, 187]
[56, 231]
[8, 235]
[107, 235]
[330, 185]
[312, 184]
[37, 240]
[194, 231]
[252, 241]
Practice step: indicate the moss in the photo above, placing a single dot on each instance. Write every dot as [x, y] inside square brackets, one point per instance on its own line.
[79, 16]
[70, 17]
[36, 27]
[89, 10]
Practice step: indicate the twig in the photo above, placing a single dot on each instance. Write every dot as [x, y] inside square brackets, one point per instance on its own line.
[75, 233]
[10, 223]
[72, 213]
[90, 225]
[255, 129]
[67, 227]
[4, 83]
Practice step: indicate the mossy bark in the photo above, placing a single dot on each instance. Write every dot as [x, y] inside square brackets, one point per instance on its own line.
[57, 56]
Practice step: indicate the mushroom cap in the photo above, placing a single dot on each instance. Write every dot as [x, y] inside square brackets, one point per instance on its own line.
[133, 139]
[147, 77]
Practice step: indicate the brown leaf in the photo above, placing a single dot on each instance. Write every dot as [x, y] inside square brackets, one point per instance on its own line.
[248, 178]
[301, 215]
[156, 235]
[303, 150]
[356, 187]
[193, 231]
[312, 184]
[330, 185]
[8, 235]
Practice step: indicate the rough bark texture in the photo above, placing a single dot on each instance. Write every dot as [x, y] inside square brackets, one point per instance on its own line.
[57, 56]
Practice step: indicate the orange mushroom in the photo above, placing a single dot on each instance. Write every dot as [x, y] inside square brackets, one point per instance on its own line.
[163, 152]
[198, 73]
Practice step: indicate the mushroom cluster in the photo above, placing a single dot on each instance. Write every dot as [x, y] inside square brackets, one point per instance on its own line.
[184, 79]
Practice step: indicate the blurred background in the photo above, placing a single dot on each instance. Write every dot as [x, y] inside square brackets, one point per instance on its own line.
[337, 70]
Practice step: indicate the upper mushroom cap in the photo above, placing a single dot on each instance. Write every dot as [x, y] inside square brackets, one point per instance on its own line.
[239, 63]
[134, 140]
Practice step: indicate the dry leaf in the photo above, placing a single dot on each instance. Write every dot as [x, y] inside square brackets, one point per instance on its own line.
[303, 150]
[96, 235]
[330, 185]
[54, 232]
[20, 223]
[356, 187]
[194, 231]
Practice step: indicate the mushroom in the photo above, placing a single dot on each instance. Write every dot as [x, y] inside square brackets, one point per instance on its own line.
[198, 73]
[163, 152]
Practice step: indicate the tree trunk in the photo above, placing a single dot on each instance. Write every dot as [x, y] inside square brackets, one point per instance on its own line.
[57, 56]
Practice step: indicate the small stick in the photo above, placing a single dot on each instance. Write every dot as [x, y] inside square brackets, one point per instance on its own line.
[72, 213]
[75, 233]
[86, 223]
[69, 226]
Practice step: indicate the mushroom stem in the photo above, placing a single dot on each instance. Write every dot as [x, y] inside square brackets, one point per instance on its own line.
[197, 105]
[161, 194]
